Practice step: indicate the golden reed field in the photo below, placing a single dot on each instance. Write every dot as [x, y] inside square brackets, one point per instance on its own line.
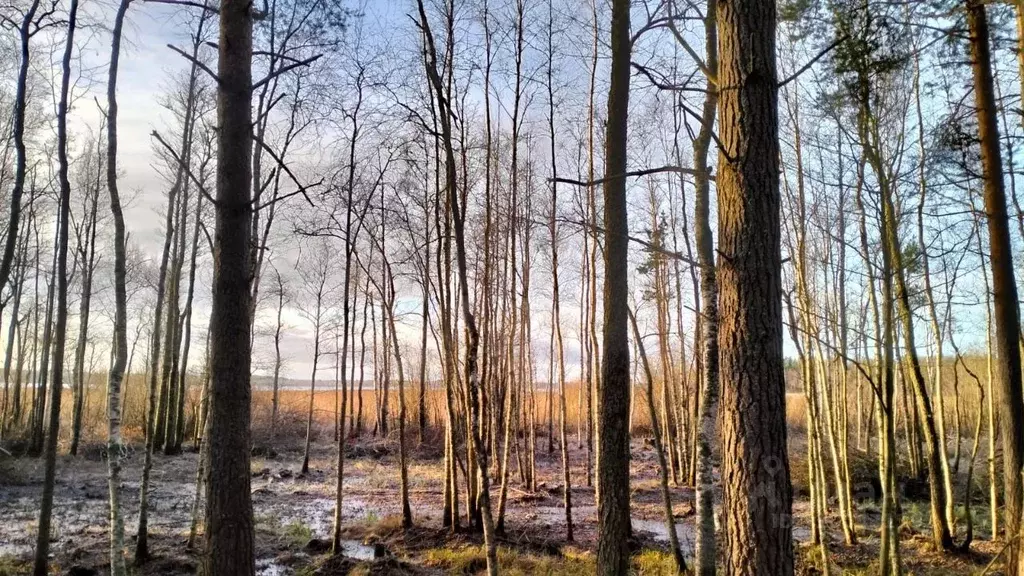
[961, 394]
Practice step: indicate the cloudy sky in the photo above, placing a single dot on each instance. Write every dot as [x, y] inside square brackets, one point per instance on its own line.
[147, 69]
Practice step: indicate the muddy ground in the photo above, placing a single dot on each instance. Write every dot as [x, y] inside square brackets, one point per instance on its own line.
[294, 515]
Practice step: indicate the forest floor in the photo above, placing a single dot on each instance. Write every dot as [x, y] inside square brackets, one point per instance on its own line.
[294, 518]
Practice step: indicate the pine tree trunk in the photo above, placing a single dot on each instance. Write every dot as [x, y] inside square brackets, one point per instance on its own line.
[613, 521]
[1004, 287]
[229, 522]
[757, 492]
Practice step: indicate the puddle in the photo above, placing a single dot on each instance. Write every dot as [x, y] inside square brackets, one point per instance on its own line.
[685, 532]
[270, 567]
[555, 515]
[360, 551]
[16, 551]
[317, 514]
[349, 548]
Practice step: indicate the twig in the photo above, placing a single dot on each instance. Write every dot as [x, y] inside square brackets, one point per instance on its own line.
[645, 172]
[188, 170]
[992, 563]
[661, 85]
[711, 131]
[648, 245]
[280, 162]
[195, 61]
[807, 66]
[285, 69]
[708, 73]
[287, 196]
[202, 5]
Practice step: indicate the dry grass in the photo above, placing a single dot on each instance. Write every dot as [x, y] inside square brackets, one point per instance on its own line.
[960, 392]
[293, 409]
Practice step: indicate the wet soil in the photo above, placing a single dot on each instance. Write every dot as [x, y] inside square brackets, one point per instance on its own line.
[294, 514]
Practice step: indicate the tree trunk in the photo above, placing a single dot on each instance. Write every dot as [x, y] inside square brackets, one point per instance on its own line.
[18, 135]
[706, 552]
[670, 520]
[44, 358]
[229, 523]
[186, 330]
[116, 375]
[472, 334]
[88, 253]
[1004, 286]
[613, 523]
[312, 381]
[937, 330]
[757, 492]
[42, 556]
[275, 400]
[403, 464]
[990, 408]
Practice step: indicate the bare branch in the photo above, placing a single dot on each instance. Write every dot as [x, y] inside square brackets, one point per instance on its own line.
[662, 85]
[192, 4]
[196, 61]
[285, 69]
[302, 189]
[188, 169]
[289, 195]
[810, 63]
[650, 247]
[645, 172]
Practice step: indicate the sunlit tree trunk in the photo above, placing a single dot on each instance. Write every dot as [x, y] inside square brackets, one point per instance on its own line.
[613, 453]
[1004, 287]
[472, 333]
[757, 492]
[708, 317]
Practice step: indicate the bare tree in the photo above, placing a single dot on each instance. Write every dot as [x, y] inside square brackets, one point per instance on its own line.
[115, 377]
[472, 334]
[316, 271]
[42, 556]
[35, 18]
